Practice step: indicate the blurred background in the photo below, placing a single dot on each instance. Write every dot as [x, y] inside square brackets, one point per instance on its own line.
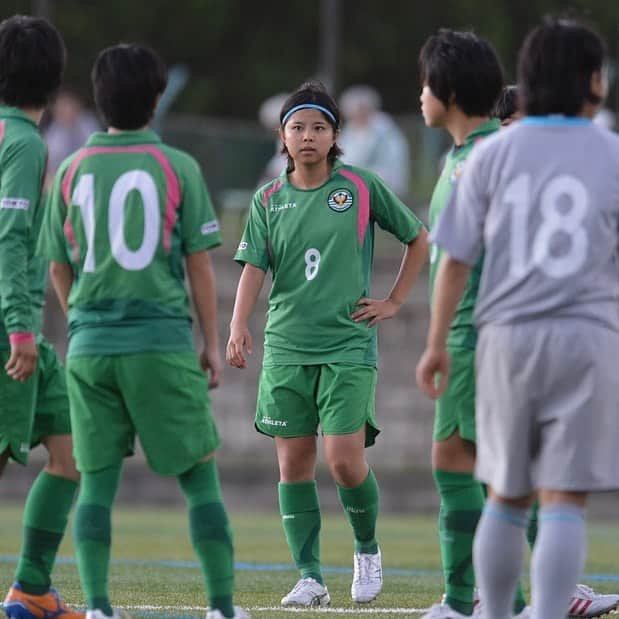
[231, 62]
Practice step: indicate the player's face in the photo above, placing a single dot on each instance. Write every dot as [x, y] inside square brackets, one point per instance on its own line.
[308, 137]
[432, 109]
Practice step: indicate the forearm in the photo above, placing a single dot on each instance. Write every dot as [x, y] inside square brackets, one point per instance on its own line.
[250, 284]
[450, 283]
[415, 256]
[61, 275]
[14, 285]
[202, 280]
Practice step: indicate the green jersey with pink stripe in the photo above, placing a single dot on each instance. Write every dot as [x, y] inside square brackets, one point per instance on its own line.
[319, 246]
[22, 275]
[123, 212]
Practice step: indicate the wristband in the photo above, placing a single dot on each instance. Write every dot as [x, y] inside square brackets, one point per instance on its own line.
[19, 337]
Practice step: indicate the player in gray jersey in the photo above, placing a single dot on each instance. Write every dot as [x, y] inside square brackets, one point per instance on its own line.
[541, 199]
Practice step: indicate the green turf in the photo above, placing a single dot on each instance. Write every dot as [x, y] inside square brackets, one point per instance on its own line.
[156, 535]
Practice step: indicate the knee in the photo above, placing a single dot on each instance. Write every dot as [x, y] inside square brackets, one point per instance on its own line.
[453, 454]
[295, 469]
[61, 462]
[346, 472]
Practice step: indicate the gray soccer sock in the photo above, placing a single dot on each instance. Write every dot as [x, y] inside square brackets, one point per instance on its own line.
[558, 559]
[498, 555]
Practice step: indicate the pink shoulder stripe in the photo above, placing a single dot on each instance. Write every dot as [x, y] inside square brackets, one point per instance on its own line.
[2, 128]
[363, 212]
[276, 186]
[173, 186]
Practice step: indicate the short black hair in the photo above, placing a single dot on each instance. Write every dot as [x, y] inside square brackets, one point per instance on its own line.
[313, 92]
[463, 69]
[127, 79]
[507, 104]
[32, 59]
[555, 65]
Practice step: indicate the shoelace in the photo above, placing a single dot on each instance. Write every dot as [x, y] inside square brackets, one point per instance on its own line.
[586, 590]
[364, 564]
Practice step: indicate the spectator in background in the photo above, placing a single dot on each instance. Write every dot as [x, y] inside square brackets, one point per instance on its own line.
[371, 139]
[70, 127]
[269, 118]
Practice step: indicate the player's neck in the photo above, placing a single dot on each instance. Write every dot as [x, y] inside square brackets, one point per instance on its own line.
[460, 126]
[310, 176]
[114, 130]
[33, 113]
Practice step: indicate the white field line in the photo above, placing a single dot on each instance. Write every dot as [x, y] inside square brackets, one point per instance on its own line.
[282, 609]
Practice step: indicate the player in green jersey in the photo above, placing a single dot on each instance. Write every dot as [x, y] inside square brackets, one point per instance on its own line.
[313, 227]
[33, 401]
[461, 80]
[127, 216]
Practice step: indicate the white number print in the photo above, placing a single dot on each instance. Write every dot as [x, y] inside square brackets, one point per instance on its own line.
[554, 220]
[312, 262]
[136, 180]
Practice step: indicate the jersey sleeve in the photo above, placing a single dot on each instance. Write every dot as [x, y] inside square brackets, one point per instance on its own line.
[459, 229]
[52, 244]
[20, 190]
[391, 214]
[199, 225]
[253, 248]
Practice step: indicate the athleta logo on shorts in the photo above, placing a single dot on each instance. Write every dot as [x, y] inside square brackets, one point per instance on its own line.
[16, 204]
[24, 448]
[242, 246]
[209, 227]
[340, 200]
[267, 421]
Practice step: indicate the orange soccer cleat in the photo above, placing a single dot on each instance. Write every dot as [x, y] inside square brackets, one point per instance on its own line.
[20, 605]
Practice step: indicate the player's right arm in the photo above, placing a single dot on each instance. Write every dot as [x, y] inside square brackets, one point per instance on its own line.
[247, 293]
[20, 190]
[253, 254]
[61, 275]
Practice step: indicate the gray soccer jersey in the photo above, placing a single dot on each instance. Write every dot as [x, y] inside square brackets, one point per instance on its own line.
[541, 199]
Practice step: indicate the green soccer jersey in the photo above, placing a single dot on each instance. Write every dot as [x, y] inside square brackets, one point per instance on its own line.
[462, 332]
[123, 212]
[319, 246]
[22, 275]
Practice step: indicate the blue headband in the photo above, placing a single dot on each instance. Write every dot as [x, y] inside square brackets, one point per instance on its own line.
[308, 106]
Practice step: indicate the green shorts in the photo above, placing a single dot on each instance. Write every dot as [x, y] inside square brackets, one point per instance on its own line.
[293, 400]
[455, 409]
[35, 409]
[161, 397]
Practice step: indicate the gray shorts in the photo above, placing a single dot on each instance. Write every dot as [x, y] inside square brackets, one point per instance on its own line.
[547, 407]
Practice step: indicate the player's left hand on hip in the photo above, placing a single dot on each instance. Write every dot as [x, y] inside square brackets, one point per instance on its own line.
[433, 372]
[375, 310]
[210, 360]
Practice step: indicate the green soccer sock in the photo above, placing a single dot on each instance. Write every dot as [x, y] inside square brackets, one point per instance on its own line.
[45, 519]
[93, 534]
[462, 501]
[211, 534]
[361, 505]
[532, 528]
[300, 510]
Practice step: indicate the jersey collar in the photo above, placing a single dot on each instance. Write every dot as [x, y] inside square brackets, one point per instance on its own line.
[490, 126]
[146, 136]
[283, 177]
[556, 119]
[8, 111]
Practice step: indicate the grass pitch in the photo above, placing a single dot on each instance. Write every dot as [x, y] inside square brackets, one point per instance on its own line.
[154, 572]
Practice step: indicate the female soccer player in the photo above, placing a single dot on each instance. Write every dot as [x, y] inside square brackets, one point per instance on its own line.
[541, 201]
[313, 227]
[127, 215]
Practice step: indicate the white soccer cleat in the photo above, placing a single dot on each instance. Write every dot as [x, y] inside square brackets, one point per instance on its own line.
[444, 611]
[239, 613]
[99, 614]
[367, 580]
[587, 603]
[478, 608]
[307, 592]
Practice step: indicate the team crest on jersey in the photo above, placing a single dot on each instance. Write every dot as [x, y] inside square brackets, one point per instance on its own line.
[340, 200]
[457, 171]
